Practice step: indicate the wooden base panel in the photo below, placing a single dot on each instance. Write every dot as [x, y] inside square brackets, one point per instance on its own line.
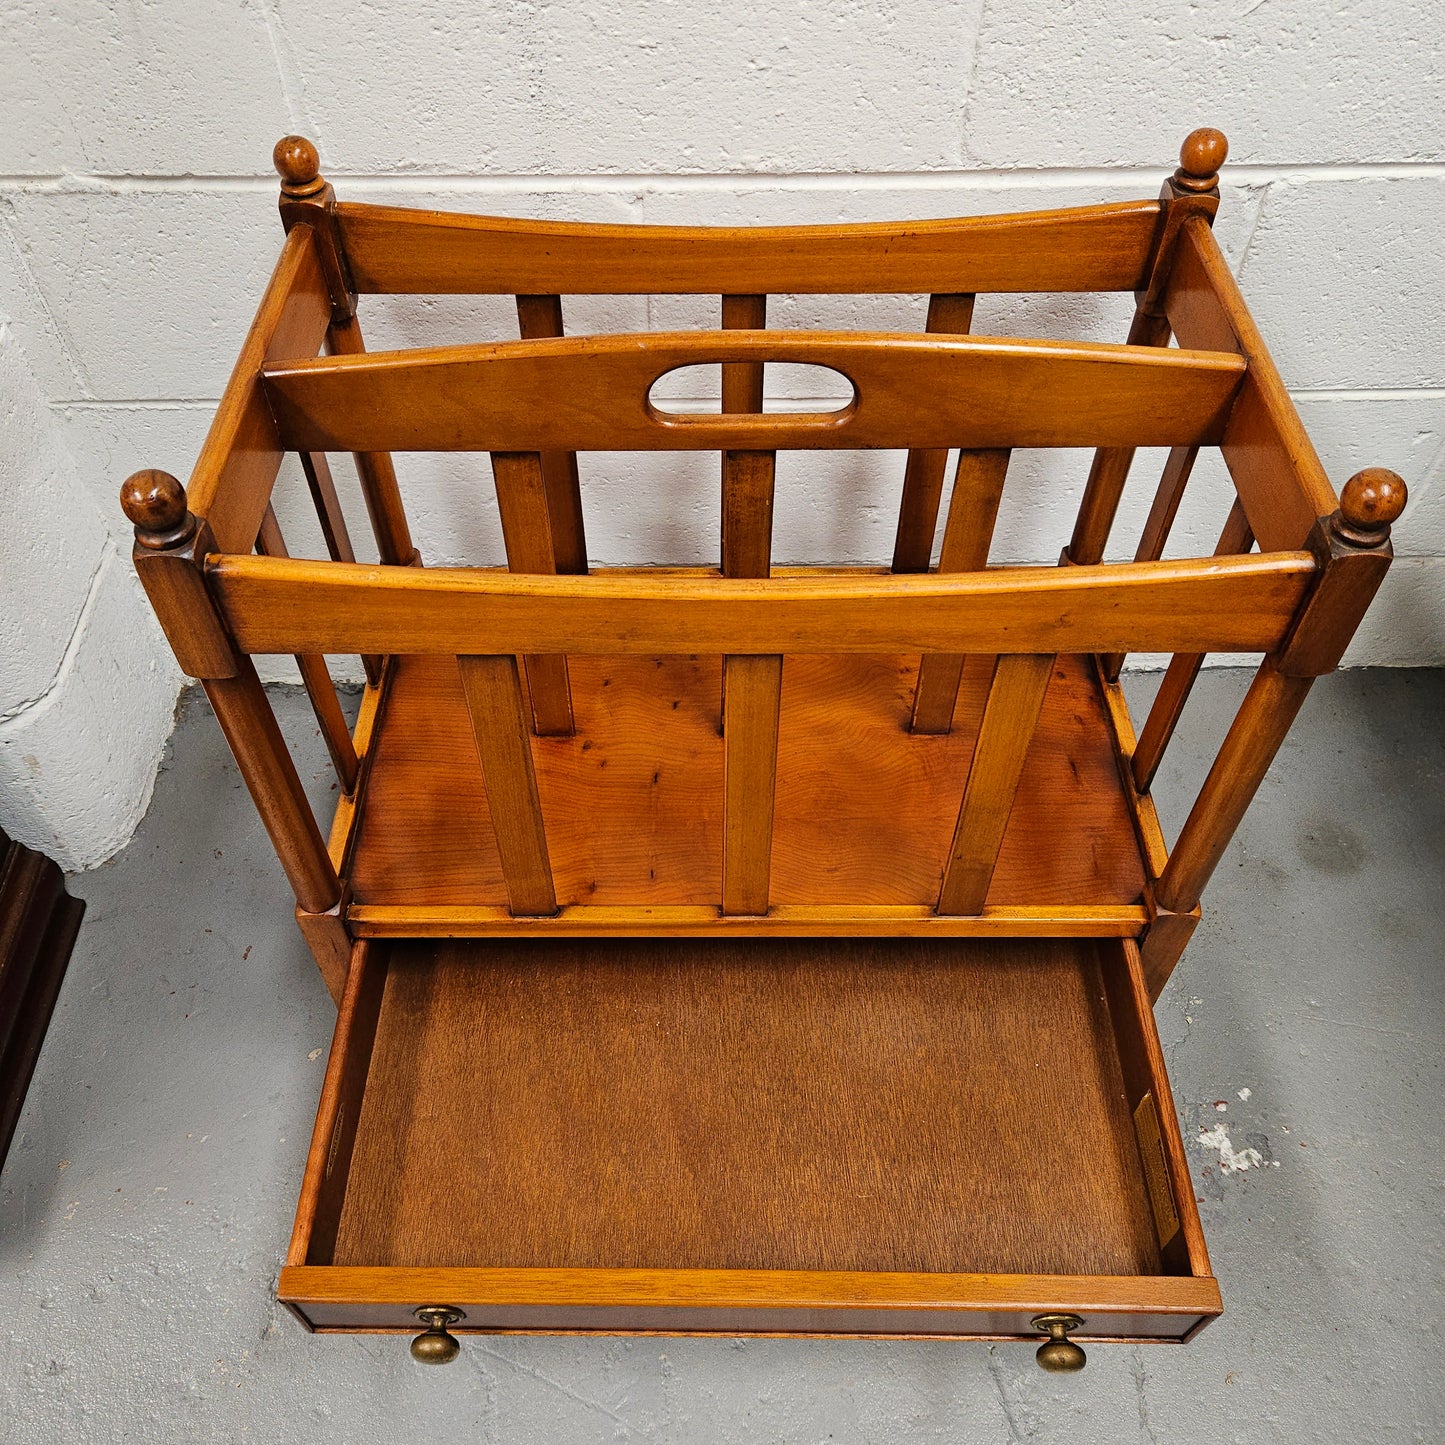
[863, 818]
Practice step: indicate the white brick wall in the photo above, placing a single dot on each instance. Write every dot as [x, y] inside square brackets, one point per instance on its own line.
[137, 226]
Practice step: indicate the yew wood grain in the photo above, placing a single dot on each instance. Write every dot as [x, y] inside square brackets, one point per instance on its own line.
[230, 486]
[591, 394]
[1005, 732]
[1089, 248]
[972, 512]
[633, 803]
[375, 470]
[604, 1140]
[1275, 468]
[525, 510]
[1234, 604]
[756, 1303]
[493, 693]
[923, 474]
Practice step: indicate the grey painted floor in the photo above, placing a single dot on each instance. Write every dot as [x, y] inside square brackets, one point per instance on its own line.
[148, 1200]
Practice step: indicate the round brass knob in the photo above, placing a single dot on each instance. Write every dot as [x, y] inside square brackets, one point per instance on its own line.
[1059, 1354]
[435, 1346]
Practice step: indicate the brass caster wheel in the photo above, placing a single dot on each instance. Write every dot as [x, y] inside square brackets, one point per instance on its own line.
[435, 1346]
[1058, 1354]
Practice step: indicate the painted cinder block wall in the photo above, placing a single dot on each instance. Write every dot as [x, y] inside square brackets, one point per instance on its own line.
[138, 225]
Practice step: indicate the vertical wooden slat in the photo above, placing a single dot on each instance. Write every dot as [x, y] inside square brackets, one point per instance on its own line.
[378, 476]
[923, 477]
[539, 317]
[1110, 468]
[1015, 699]
[750, 715]
[1156, 528]
[526, 530]
[747, 477]
[1183, 669]
[316, 677]
[333, 528]
[499, 724]
[750, 728]
[972, 512]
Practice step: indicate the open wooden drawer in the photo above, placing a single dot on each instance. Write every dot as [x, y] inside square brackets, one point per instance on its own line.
[924, 1137]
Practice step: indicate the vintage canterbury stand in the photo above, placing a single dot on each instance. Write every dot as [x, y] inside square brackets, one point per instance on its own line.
[740, 951]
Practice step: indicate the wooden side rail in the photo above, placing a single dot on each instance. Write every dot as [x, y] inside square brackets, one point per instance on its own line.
[231, 485]
[316, 678]
[591, 394]
[1183, 669]
[1089, 248]
[1272, 461]
[1238, 604]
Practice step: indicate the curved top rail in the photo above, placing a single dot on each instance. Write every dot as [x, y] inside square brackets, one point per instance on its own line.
[591, 394]
[394, 249]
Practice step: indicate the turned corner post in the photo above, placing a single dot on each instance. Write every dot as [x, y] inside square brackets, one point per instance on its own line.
[1352, 546]
[170, 551]
[1193, 190]
[307, 199]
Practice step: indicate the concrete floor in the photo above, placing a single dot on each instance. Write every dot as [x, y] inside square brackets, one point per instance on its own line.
[148, 1199]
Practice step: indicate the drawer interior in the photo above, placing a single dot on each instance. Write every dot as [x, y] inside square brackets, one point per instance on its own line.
[830, 1107]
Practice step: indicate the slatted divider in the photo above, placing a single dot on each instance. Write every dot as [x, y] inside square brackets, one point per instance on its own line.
[1157, 526]
[923, 476]
[334, 532]
[376, 473]
[316, 677]
[1110, 467]
[972, 512]
[499, 724]
[1015, 700]
[538, 317]
[1235, 540]
[752, 686]
[527, 533]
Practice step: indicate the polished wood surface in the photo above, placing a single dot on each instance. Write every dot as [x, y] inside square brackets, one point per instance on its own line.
[601, 1138]
[752, 698]
[316, 678]
[591, 393]
[1271, 459]
[1110, 468]
[751, 1302]
[863, 815]
[1240, 604]
[1005, 732]
[1090, 248]
[231, 484]
[375, 471]
[537, 317]
[967, 535]
[1179, 678]
[923, 474]
[499, 730]
[525, 511]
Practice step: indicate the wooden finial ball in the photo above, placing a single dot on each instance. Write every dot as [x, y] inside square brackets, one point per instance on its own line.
[298, 165]
[156, 503]
[1371, 501]
[1200, 157]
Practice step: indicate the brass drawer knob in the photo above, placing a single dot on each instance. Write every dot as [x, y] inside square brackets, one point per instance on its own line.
[435, 1346]
[1059, 1354]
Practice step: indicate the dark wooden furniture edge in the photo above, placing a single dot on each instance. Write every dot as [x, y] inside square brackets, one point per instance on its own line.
[38, 925]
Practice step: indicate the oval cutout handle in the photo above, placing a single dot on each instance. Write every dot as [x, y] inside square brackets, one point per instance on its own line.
[696, 391]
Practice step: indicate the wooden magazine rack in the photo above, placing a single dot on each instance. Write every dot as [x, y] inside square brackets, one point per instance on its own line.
[738, 950]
